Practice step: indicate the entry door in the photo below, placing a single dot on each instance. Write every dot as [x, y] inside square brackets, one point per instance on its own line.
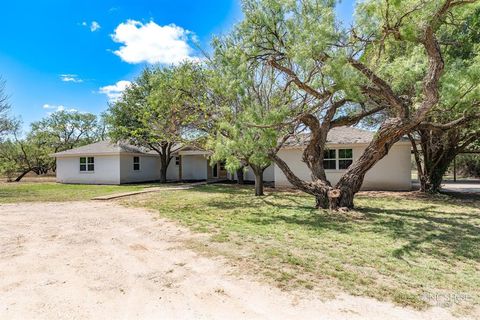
[222, 172]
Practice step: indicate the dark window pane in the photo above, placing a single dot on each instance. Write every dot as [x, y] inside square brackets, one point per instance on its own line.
[329, 164]
[344, 164]
[136, 159]
[91, 167]
[91, 160]
[83, 160]
[136, 166]
[83, 167]
[345, 154]
[177, 161]
[329, 154]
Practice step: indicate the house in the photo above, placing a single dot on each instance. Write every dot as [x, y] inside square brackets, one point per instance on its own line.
[107, 163]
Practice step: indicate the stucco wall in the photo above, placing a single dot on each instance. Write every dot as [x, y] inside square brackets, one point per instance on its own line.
[172, 170]
[107, 170]
[268, 174]
[393, 172]
[194, 167]
[149, 169]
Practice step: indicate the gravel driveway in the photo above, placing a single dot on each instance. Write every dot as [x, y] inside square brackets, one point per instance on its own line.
[97, 260]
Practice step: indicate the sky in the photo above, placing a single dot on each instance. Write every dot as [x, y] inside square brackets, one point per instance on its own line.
[79, 55]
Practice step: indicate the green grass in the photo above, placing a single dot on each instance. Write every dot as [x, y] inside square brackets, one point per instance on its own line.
[50, 191]
[392, 247]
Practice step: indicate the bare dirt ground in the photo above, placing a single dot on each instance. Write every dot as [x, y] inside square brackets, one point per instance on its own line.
[97, 260]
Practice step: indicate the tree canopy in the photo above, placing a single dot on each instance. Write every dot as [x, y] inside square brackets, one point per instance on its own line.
[159, 110]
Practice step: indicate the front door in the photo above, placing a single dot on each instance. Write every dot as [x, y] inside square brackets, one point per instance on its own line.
[222, 172]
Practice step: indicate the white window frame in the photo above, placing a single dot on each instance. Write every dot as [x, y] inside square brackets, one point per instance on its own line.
[330, 159]
[136, 163]
[339, 159]
[87, 164]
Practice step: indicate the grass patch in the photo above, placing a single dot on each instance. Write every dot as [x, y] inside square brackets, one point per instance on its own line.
[50, 191]
[397, 249]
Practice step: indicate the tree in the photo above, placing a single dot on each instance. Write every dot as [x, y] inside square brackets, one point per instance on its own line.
[247, 100]
[64, 130]
[7, 124]
[453, 127]
[21, 156]
[158, 110]
[350, 74]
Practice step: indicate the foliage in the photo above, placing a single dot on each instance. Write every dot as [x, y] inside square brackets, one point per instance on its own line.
[160, 110]
[468, 165]
[64, 130]
[389, 63]
[57, 132]
[23, 156]
[158, 107]
[7, 124]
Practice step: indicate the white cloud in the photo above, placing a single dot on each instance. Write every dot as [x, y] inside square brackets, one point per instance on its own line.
[70, 78]
[153, 43]
[114, 91]
[94, 26]
[58, 108]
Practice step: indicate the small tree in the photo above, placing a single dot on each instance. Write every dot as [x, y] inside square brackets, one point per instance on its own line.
[247, 101]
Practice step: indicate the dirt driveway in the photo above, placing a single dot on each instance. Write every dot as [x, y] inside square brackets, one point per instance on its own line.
[97, 260]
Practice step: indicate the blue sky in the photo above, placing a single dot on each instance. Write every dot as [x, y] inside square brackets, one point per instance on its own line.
[78, 54]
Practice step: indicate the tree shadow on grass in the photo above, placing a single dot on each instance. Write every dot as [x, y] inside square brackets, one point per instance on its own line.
[428, 231]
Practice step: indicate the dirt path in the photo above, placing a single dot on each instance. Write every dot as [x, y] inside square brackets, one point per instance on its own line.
[96, 260]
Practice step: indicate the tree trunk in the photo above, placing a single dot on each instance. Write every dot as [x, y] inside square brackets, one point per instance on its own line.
[165, 158]
[22, 175]
[258, 171]
[240, 176]
[351, 182]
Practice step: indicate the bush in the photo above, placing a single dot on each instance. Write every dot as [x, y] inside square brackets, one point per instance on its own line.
[468, 165]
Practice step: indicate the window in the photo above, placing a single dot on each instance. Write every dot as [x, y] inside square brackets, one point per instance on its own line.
[345, 158]
[329, 159]
[87, 164]
[177, 160]
[136, 163]
[222, 165]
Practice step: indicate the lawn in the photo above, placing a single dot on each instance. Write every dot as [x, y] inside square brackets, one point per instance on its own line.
[51, 191]
[402, 248]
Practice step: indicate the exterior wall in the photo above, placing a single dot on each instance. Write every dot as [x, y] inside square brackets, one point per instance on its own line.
[149, 169]
[393, 172]
[194, 167]
[268, 174]
[107, 170]
[173, 170]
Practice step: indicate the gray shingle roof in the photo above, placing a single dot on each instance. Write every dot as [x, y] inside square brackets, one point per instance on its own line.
[103, 147]
[338, 135]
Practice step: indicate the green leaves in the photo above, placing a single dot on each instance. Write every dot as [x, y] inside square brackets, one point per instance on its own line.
[163, 105]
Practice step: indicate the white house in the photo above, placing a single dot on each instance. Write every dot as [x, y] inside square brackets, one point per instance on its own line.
[107, 163]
